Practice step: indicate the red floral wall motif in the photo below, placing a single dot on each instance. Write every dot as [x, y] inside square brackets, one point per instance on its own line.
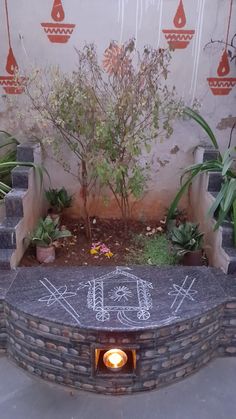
[179, 38]
[58, 32]
[222, 85]
[11, 83]
[116, 61]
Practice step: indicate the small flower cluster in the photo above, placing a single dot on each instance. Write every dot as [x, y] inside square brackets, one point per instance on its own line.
[100, 249]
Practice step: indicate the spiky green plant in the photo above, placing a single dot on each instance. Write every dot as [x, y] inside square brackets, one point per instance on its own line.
[186, 238]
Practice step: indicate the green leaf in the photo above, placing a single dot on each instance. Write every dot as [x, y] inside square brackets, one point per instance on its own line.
[218, 200]
[202, 122]
[234, 221]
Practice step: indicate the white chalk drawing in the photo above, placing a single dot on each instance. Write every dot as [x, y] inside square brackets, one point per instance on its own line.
[102, 288]
[59, 295]
[120, 293]
[180, 292]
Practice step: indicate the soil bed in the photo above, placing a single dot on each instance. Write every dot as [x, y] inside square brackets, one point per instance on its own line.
[75, 250]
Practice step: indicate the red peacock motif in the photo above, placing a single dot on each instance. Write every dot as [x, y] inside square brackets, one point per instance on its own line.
[179, 38]
[58, 32]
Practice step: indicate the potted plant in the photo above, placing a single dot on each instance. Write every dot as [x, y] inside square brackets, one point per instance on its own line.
[45, 236]
[58, 199]
[188, 240]
[178, 217]
[224, 206]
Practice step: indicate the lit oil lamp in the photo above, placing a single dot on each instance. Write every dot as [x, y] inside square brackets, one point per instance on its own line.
[115, 359]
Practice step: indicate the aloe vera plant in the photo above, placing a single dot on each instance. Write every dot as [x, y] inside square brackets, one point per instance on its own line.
[225, 202]
[186, 238]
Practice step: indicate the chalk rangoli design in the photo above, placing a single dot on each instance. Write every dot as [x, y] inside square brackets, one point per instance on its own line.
[180, 292]
[104, 298]
[59, 295]
[118, 293]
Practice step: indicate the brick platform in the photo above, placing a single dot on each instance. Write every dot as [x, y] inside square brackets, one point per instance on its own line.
[177, 320]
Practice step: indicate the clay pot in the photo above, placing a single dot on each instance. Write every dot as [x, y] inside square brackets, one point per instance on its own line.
[45, 254]
[193, 258]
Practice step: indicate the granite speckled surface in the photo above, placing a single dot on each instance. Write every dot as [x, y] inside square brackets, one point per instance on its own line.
[116, 299]
[6, 280]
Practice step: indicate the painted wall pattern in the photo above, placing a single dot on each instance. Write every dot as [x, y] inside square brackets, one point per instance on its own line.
[10, 82]
[179, 37]
[58, 31]
[222, 85]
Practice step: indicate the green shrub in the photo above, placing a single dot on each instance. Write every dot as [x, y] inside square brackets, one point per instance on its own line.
[156, 250]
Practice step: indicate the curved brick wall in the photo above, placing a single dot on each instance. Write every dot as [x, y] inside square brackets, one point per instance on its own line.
[63, 354]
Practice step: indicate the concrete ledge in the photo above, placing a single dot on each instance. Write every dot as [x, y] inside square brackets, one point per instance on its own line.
[219, 244]
[23, 207]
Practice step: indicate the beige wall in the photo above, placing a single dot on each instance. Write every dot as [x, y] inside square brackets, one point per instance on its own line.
[105, 20]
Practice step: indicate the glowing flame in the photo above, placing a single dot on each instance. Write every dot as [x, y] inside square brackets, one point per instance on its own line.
[58, 13]
[180, 18]
[115, 359]
[223, 68]
[11, 66]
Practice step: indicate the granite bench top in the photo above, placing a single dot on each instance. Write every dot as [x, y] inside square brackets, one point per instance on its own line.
[119, 298]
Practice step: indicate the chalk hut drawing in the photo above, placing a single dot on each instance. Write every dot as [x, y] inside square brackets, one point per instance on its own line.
[119, 292]
[58, 31]
[179, 38]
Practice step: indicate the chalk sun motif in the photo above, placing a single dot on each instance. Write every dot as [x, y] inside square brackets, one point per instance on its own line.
[120, 293]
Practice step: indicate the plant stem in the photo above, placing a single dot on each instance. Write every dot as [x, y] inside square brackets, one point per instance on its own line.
[85, 199]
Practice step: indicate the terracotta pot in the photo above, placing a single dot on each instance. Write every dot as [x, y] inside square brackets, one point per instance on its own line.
[193, 258]
[45, 254]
